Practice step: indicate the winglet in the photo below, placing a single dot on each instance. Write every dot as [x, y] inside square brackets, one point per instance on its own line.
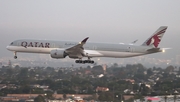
[84, 41]
[134, 41]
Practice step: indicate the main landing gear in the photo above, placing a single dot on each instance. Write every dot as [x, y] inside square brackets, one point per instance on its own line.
[15, 56]
[84, 61]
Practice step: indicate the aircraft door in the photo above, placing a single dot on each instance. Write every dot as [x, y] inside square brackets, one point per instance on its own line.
[18, 43]
[130, 49]
[53, 45]
[94, 47]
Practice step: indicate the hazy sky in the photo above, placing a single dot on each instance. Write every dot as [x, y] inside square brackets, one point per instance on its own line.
[102, 20]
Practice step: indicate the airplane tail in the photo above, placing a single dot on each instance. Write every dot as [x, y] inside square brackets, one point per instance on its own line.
[155, 39]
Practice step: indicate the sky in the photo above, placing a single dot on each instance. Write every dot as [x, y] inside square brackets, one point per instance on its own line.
[113, 21]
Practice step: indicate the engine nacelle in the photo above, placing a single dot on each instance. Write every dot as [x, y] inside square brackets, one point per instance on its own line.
[58, 53]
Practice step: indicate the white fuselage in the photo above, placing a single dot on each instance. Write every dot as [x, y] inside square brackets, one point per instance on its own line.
[92, 49]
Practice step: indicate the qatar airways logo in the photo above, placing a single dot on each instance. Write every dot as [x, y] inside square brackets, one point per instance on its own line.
[35, 44]
[156, 38]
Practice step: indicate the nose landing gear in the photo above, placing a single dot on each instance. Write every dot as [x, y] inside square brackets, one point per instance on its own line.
[15, 55]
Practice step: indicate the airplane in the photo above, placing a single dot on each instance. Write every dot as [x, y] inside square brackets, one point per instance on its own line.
[78, 50]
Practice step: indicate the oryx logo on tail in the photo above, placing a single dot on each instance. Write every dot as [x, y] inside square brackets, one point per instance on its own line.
[155, 39]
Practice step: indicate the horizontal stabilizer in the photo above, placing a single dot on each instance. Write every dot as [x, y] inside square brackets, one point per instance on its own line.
[153, 50]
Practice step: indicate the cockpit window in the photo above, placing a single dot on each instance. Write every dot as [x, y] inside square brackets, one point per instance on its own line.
[11, 43]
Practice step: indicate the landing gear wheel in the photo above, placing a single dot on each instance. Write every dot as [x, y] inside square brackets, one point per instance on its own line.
[77, 61]
[15, 57]
[84, 61]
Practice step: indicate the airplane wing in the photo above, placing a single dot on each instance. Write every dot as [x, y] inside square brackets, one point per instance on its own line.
[164, 49]
[77, 50]
[158, 49]
[134, 41]
[153, 50]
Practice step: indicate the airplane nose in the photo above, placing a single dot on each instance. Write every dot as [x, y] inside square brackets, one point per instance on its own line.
[7, 47]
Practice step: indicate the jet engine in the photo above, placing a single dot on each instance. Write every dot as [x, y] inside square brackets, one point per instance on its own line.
[58, 53]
